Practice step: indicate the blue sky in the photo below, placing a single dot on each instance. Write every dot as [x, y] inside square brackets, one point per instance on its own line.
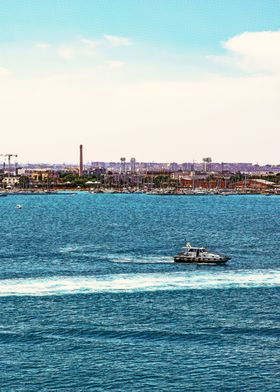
[152, 77]
[180, 24]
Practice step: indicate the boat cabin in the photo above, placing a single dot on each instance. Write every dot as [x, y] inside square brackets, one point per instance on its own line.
[197, 250]
[194, 252]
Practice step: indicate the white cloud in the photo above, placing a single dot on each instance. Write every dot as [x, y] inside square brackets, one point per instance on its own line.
[4, 71]
[252, 52]
[115, 64]
[83, 49]
[230, 119]
[88, 47]
[43, 45]
[89, 43]
[114, 113]
[117, 40]
[66, 53]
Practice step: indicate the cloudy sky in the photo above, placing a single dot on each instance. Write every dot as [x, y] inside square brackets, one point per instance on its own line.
[169, 80]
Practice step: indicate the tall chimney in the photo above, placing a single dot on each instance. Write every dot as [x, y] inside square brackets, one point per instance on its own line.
[81, 169]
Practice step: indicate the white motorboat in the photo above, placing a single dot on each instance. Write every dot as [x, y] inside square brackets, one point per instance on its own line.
[191, 254]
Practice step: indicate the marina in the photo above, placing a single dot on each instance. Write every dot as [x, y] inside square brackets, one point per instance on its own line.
[35, 193]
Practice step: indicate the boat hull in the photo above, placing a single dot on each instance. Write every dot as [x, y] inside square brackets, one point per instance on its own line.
[200, 260]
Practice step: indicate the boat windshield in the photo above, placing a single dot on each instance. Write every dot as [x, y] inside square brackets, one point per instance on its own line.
[197, 249]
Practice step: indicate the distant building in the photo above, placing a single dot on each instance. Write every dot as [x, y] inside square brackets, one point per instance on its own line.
[38, 174]
[173, 166]
[81, 166]
[123, 165]
[254, 183]
[133, 165]
[10, 181]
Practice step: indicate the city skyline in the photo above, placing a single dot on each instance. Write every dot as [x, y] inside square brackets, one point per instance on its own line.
[162, 82]
[132, 164]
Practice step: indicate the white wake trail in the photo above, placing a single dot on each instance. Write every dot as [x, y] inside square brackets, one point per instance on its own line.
[139, 282]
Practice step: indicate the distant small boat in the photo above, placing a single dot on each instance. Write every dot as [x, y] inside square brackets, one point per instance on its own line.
[19, 206]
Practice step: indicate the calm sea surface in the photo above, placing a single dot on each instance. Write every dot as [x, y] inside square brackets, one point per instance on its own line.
[91, 300]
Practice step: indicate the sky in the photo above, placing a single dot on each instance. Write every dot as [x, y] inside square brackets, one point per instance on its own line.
[159, 80]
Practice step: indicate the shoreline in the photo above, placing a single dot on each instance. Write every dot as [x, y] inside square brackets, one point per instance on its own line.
[153, 192]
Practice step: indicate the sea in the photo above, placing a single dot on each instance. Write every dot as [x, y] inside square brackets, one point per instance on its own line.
[91, 299]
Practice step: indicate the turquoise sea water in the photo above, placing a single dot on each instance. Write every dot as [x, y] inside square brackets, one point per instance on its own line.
[91, 300]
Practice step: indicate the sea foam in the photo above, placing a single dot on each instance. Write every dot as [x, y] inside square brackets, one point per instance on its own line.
[139, 282]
